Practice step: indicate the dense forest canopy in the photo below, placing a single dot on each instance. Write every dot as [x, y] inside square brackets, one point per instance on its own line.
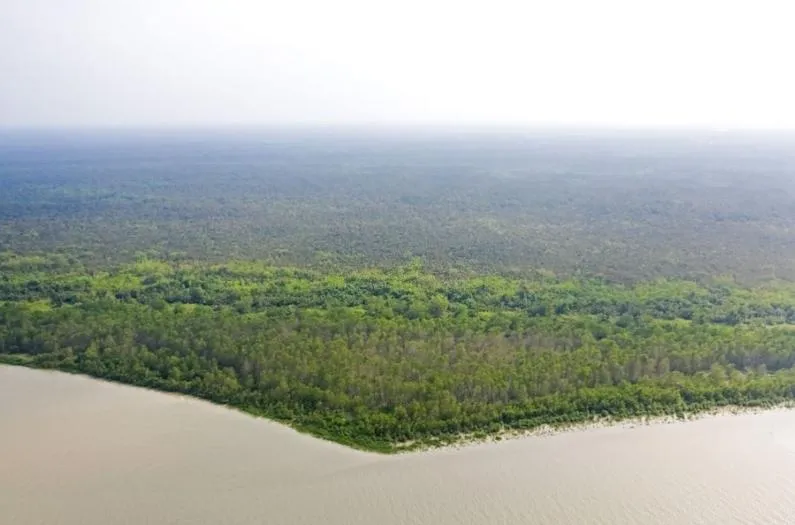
[392, 288]
[374, 357]
[620, 205]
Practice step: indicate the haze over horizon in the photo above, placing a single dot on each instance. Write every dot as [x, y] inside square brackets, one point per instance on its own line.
[124, 63]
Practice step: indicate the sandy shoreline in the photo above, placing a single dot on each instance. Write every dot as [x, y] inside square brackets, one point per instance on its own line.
[467, 441]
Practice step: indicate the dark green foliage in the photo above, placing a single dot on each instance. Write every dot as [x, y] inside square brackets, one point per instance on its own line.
[627, 207]
[373, 358]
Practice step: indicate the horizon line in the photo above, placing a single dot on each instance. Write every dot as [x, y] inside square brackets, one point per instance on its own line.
[394, 126]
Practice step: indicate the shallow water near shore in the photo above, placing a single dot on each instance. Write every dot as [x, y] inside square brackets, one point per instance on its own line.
[74, 450]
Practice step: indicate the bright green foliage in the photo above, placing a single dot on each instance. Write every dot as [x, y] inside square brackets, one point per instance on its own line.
[377, 357]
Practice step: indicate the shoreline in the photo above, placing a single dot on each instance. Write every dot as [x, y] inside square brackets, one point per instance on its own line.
[467, 441]
[462, 441]
[180, 396]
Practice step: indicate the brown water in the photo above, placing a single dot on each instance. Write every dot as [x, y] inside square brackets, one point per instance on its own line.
[76, 451]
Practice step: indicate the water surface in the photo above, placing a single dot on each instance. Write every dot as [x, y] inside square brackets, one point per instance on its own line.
[76, 451]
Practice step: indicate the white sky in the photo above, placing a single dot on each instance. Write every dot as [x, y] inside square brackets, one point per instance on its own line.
[181, 62]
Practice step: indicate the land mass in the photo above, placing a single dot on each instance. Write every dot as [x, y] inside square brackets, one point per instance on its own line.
[380, 357]
[383, 289]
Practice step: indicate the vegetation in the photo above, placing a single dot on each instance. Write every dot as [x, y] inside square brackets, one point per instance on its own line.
[625, 207]
[381, 288]
[373, 358]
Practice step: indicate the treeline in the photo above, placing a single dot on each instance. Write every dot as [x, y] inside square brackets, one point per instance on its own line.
[377, 357]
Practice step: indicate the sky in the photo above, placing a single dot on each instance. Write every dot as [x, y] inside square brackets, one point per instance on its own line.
[96, 63]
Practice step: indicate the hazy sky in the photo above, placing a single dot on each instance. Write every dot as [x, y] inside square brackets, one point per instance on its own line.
[179, 62]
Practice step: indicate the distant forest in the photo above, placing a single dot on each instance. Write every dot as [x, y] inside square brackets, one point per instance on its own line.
[619, 205]
[389, 291]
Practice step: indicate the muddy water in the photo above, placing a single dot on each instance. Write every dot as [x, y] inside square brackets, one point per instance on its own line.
[76, 451]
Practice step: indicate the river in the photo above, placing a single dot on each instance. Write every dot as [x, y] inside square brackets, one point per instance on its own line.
[77, 451]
